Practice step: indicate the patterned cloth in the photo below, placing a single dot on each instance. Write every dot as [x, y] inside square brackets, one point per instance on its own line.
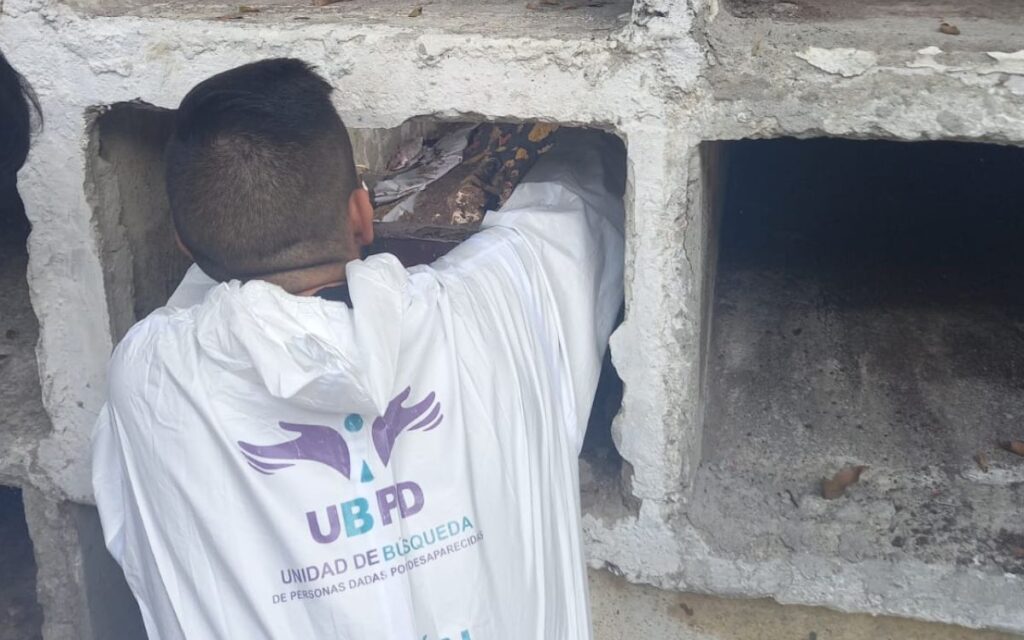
[494, 162]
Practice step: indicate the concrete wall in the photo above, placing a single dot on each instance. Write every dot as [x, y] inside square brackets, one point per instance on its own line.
[665, 75]
[81, 589]
[141, 262]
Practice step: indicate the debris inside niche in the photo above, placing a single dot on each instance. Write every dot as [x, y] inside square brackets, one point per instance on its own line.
[1014, 446]
[836, 486]
[456, 177]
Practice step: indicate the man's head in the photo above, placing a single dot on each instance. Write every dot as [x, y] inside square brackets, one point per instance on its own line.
[260, 174]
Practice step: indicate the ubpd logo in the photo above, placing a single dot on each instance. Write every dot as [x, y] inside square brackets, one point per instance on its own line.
[326, 445]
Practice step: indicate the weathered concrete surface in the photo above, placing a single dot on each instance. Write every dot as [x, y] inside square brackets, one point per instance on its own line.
[665, 75]
[886, 73]
[931, 13]
[60, 580]
[808, 376]
[23, 422]
[868, 311]
[624, 610]
[81, 589]
[109, 60]
[21, 617]
[142, 264]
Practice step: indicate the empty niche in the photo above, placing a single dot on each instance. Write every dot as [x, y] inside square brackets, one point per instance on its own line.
[867, 310]
[837, 10]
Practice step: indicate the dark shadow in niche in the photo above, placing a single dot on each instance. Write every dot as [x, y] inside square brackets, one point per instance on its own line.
[868, 310]
[21, 617]
[1009, 11]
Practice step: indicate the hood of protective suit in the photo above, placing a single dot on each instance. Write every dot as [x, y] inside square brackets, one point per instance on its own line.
[302, 349]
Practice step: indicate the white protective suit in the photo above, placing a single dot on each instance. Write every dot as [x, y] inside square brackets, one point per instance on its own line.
[279, 467]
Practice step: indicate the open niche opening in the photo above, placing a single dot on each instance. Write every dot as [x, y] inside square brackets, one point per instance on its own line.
[867, 311]
[21, 617]
[142, 265]
[23, 423]
[834, 10]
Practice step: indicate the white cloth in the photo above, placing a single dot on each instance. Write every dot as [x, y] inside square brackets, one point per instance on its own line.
[275, 467]
[444, 156]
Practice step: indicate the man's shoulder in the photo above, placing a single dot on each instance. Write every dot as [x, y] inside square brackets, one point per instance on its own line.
[146, 332]
[139, 348]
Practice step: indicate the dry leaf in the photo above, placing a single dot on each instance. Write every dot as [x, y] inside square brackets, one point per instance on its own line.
[949, 29]
[836, 487]
[1014, 446]
[244, 8]
[417, 12]
[1017, 552]
[982, 462]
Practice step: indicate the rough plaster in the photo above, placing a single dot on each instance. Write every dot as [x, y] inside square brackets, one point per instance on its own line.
[23, 421]
[21, 616]
[624, 610]
[141, 262]
[664, 75]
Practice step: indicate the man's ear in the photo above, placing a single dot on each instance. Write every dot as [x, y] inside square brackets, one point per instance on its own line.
[181, 246]
[360, 217]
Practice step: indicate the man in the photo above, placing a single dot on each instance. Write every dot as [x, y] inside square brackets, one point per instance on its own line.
[303, 444]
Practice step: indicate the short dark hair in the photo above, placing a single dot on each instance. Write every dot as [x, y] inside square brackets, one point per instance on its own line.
[260, 170]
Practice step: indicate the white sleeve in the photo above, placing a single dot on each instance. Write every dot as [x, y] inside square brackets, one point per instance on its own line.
[569, 213]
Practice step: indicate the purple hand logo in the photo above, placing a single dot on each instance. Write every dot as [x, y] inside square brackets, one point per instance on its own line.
[318, 443]
[396, 420]
[315, 442]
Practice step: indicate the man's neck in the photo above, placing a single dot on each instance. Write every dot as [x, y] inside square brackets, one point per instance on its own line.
[306, 282]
